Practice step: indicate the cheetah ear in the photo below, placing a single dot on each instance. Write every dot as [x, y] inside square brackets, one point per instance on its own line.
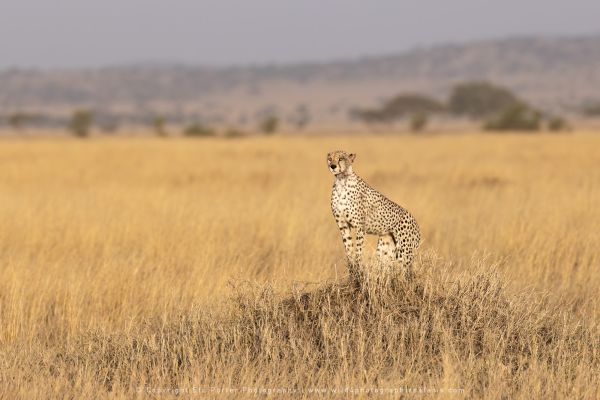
[352, 156]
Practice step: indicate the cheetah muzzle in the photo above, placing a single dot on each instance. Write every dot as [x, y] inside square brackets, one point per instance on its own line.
[356, 206]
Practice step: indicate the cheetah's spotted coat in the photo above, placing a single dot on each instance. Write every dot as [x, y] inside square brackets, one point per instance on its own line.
[357, 206]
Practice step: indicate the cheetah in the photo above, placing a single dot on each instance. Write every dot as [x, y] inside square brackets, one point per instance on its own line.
[357, 206]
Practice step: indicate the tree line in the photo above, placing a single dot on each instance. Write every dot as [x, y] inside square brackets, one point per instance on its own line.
[496, 107]
[81, 122]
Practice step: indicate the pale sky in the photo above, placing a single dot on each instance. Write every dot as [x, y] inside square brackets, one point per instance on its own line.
[89, 33]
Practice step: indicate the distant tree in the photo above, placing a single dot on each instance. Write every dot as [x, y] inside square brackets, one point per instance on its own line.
[418, 121]
[411, 103]
[17, 120]
[158, 124]
[557, 124]
[481, 99]
[269, 125]
[517, 117]
[399, 107]
[80, 123]
[198, 130]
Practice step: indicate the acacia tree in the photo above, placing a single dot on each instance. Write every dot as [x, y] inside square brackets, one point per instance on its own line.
[482, 100]
[269, 125]
[80, 123]
[398, 107]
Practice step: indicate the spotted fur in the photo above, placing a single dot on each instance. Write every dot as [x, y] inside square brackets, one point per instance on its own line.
[357, 206]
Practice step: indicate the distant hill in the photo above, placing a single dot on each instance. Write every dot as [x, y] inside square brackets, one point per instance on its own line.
[553, 73]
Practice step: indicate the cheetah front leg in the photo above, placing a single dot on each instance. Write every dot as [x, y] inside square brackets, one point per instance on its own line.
[360, 240]
[346, 238]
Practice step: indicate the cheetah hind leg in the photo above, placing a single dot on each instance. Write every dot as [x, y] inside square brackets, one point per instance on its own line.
[404, 254]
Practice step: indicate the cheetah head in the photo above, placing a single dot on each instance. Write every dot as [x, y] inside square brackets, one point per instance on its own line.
[340, 162]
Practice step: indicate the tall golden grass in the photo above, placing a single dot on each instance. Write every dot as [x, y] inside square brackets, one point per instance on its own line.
[138, 267]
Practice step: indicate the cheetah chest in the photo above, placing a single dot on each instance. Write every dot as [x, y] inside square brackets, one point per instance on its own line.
[342, 200]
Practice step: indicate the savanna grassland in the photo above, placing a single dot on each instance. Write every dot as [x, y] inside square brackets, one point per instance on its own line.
[136, 267]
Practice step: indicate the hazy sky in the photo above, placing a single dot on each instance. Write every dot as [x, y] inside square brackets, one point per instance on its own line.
[56, 33]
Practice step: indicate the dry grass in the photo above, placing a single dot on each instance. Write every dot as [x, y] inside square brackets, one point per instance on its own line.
[118, 259]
